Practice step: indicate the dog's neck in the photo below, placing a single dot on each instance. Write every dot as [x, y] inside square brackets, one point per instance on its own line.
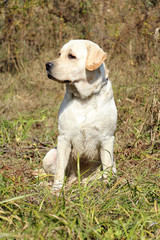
[84, 89]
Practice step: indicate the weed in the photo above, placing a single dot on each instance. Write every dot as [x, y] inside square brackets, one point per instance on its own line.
[125, 208]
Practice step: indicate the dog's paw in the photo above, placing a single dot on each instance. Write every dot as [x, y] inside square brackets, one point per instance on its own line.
[56, 188]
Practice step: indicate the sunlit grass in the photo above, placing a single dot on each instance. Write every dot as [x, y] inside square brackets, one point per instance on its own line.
[124, 208]
[128, 210]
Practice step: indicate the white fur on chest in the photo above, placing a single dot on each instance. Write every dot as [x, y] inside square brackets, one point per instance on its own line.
[86, 122]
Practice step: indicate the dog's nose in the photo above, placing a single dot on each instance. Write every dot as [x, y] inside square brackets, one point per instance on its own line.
[49, 66]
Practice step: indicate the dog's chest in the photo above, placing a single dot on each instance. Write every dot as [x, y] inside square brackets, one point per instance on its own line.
[80, 123]
[85, 136]
[85, 116]
[86, 125]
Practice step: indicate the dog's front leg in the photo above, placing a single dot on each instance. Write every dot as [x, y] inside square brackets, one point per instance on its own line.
[63, 154]
[106, 153]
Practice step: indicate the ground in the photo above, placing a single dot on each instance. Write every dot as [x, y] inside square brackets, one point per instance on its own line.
[126, 207]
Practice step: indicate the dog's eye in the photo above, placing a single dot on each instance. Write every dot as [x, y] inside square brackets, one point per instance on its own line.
[59, 54]
[70, 56]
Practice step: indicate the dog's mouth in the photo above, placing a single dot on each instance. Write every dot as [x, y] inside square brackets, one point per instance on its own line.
[67, 81]
[52, 78]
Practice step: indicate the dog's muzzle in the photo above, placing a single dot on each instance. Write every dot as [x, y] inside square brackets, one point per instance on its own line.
[49, 66]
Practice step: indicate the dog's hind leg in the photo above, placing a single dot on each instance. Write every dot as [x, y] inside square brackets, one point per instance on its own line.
[49, 161]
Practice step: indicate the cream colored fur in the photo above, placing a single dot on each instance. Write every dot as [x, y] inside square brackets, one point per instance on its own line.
[87, 116]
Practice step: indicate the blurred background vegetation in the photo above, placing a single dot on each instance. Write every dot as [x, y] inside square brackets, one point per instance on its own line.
[124, 28]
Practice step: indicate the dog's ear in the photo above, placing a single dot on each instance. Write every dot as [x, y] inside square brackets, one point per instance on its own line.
[95, 56]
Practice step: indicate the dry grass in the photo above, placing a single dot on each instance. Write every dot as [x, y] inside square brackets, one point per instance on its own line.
[29, 102]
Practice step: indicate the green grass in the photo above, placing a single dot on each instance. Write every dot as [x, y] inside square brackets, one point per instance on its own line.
[127, 207]
[20, 128]
[127, 210]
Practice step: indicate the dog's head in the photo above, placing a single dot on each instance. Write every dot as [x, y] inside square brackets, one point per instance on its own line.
[78, 60]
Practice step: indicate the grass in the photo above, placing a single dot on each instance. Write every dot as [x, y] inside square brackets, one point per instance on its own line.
[126, 208]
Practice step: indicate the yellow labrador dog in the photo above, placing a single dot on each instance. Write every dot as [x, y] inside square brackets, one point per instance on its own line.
[87, 116]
